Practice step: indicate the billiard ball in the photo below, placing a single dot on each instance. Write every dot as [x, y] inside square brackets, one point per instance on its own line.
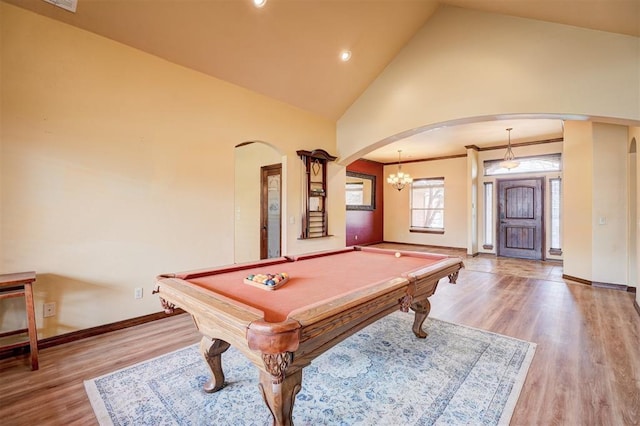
[398, 254]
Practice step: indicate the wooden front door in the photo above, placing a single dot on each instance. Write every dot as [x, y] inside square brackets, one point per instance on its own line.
[270, 211]
[520, 218]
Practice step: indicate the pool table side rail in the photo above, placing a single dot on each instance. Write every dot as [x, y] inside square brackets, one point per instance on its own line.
[443, 269]
[325, 326]
[326, 309]
[328, 331]
[214, 315]
[424, 255]
[451, 269]
[199, 273]
[313, 255]
[322, 310]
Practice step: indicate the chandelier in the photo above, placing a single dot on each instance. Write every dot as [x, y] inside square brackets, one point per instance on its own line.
[399, 180]
[509, 162]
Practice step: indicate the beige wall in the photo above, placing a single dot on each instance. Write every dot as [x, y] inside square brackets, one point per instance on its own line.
[464, 65]
[596, 202]
[634, 132]
[610, 205]
[396, 204]
[632, 192]
[117, 166]
[577, 199]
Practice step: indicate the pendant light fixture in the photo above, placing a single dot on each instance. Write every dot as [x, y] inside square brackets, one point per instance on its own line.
[399, 180]
[509, 162]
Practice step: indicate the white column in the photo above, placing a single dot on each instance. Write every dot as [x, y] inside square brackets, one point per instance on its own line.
[472, 200]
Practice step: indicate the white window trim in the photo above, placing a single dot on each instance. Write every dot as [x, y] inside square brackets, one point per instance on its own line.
[428, 230]
[492, 167]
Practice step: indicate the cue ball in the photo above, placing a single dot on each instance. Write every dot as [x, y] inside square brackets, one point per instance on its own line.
[398, 254]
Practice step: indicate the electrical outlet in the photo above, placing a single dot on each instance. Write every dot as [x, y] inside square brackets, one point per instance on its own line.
[138, 293]
[49, 310]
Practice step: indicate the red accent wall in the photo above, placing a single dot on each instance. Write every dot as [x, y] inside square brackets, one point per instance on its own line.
[367, 225]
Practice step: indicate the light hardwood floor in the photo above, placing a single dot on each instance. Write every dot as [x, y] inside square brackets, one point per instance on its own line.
[586, 369]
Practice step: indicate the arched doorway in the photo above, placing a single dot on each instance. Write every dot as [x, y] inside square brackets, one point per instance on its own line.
[258, 186]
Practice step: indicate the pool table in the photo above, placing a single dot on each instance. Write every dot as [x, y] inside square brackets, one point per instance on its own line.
[328, 297]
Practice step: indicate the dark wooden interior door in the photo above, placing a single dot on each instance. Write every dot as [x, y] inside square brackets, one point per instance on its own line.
[270, 211]
[520, 218]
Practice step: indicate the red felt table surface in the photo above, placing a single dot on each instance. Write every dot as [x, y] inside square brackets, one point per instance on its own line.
[315, 279]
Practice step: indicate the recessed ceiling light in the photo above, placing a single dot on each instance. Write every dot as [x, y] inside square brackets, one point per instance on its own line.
[259, 3]
[345, 55]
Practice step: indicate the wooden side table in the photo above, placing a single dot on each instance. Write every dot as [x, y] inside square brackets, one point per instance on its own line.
[20, 285]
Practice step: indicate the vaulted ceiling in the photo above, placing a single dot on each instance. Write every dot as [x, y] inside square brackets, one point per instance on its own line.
[289, 49]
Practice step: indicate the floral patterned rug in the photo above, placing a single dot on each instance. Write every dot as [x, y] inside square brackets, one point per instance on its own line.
[381, 375]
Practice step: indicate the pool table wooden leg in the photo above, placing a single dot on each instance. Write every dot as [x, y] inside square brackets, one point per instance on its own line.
[422, 309]
[212, 350]
[280, 397]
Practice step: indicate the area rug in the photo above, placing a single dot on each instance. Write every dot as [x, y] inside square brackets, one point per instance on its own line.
[381, 375]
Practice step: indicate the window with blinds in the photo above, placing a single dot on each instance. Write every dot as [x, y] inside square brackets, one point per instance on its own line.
[427, 204]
